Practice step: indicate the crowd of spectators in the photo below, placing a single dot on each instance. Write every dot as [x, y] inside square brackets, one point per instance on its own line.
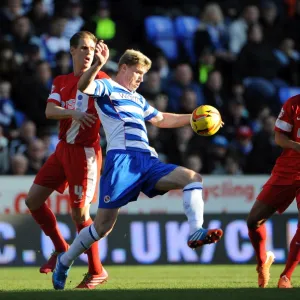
[244, 53]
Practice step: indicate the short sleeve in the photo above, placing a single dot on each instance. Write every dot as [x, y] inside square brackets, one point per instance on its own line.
[54, 96]
[104, 87]
[284, 122]
[149, 111]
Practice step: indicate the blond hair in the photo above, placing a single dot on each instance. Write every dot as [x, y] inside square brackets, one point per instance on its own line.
[133, 57]
[212, 8]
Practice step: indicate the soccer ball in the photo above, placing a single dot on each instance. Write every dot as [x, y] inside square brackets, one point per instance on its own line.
[206, 120]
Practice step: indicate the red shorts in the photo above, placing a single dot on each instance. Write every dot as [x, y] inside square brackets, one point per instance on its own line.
[280, 196]
[75, 166]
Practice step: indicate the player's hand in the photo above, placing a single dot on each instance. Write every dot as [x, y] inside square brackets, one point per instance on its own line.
[101, 53]
[84, 119]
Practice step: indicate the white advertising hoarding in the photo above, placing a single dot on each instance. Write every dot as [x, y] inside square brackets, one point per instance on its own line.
[222, 194]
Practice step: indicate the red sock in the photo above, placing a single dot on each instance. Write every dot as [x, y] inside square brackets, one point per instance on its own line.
[294, 255]
[47, 221]
[95, 266]
[258, 239]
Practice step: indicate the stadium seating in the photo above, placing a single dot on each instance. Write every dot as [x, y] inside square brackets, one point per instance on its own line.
[185, 27]
[160, 32]
[287, 92]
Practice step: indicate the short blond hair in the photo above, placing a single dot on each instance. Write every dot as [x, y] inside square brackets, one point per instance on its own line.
[133, 57]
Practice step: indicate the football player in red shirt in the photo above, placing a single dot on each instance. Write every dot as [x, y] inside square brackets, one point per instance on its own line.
[76, 161]
[278, 193]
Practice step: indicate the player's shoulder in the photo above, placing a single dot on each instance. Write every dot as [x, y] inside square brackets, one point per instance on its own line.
[294, 101]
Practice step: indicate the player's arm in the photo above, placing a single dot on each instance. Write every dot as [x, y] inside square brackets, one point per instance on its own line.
[284, 141]
[168, 120]
[87, 83]
[56, 112]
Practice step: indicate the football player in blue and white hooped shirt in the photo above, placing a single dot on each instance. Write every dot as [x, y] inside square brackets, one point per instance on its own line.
[131, 165]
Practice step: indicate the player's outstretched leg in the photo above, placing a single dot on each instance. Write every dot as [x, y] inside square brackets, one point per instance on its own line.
[193, 207]
[204, 236]
[96, 274]
[264, 270]
[60, 274]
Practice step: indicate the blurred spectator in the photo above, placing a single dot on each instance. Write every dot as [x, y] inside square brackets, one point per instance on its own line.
[271, 23]
[258, 67]
[243, 144]
[18, 165]
[206, 65]
[292, 25]
[188, 101]
[36, 154]
[194, 162]
[155, 141]
[105, 27]
[55, 41]
[9, 12]
[7, 110]
[74, 19]
[234, 117]
[161, 63]
[39, 17]
[161, 102]
[33, 95]
[265, 151]
[22, 37]
[217, 156]
[4, 153]
[232, 165]
[27, 133]
[9, 62]
[238, 29]
[212, 33]
[31, 57]
[213, 92]
[63, 64]
[289, 59]
[177, 144]
[264, 111]
[151, 86]
[183, 79]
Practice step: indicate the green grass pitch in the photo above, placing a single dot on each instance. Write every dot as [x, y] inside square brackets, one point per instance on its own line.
[201, 282]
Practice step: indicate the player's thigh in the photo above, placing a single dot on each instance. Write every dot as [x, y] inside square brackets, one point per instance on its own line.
[260, 212]
[52, 174]
[82, 165]
[105, 220]
[37, 195]
[277, 196]
[177, 179]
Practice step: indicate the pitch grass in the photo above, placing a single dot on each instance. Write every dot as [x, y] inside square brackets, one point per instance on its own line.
[202, 282]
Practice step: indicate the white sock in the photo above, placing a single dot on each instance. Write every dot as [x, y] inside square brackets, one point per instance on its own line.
[193, 205]
[86, 237]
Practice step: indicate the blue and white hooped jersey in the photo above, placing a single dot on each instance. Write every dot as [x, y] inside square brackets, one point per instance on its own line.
[123, 115]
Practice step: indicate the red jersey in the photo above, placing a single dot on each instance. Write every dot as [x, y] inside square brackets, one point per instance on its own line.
[64, 93]
[288, 122]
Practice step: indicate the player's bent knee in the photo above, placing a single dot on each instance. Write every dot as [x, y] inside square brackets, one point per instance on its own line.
[80, 215]
[197, 177]
[253, 223]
